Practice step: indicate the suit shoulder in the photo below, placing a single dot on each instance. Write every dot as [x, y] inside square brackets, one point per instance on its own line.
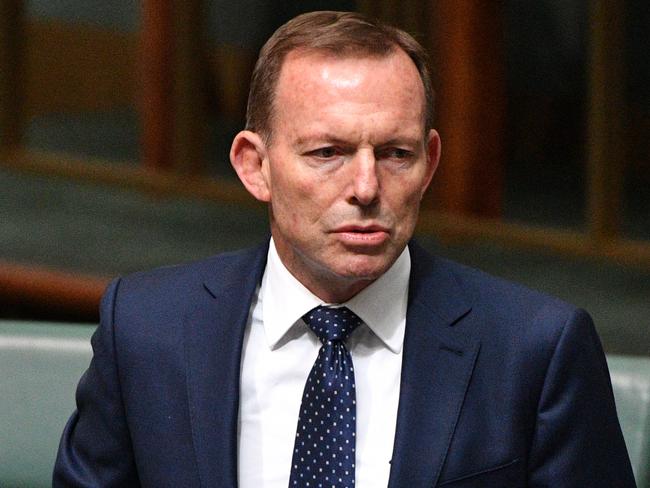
[515, 324]
[509, 311]
[485, 286]
[175, 287]
[496, 301]
[204, 269]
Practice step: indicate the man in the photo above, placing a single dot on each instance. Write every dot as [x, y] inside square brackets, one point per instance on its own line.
[338, 355]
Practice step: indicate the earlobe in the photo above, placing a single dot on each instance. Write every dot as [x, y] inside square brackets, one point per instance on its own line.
[247, 156]
[433, 157]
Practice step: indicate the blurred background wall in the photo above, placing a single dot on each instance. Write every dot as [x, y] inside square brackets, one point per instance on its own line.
[116, 120]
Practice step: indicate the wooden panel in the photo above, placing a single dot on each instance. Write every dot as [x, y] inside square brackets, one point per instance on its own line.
[450, 228]
[53, 289]
[128, 177]
[415, 18]
[231, 69]
[12, 18]
[469, 56]
[606, 151]
[175, 84]
[156, 103]
[368, 7]
[410, 15]
[76, 68]
[190, 88]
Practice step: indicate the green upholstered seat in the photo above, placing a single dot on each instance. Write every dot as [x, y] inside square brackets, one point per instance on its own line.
[631, 382]
[40, 366]
[41, 363]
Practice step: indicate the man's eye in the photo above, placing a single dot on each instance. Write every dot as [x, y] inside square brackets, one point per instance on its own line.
[325, 152]
[396, 153]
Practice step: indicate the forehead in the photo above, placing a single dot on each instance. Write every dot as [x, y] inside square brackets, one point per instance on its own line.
[317, 83]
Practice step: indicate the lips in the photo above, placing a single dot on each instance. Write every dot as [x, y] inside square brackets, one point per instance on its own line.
[364, 229]
[363, 235]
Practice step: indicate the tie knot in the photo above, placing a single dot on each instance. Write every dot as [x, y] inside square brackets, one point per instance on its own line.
[331, 324]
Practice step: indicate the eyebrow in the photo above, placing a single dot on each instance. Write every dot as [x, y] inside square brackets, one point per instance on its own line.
[398, 141]
[330, 138]
[310, 138]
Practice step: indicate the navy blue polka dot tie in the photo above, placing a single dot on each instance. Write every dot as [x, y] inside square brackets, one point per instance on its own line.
[324, 450]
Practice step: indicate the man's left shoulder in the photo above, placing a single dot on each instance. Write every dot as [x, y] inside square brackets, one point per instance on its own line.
[496, 304]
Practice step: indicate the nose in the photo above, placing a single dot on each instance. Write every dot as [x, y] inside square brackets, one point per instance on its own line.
[365, 184]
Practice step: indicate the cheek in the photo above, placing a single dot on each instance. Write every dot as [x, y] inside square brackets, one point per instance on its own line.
[292, 204]
[306, 200]
[405, 196]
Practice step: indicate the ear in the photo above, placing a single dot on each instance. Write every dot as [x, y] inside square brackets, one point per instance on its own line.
[248, 157]
[433, 157]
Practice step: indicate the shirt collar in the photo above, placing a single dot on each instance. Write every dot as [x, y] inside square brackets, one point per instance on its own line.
[381, 305]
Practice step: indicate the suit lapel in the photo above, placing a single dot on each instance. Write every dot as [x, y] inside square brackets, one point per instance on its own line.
[438, 361]
[214, 331]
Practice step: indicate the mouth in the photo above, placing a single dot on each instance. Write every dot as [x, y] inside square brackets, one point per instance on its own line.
[362, 235]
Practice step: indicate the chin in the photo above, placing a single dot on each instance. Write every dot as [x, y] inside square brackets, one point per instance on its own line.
[363, 269]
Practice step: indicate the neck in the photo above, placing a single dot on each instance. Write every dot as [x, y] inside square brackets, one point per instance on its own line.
[322, 282]
[331, 292]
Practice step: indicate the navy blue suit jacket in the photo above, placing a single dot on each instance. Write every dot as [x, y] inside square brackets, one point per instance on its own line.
[501, 386]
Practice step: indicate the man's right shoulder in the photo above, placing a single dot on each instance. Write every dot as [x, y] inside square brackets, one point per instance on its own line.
[219, 265]
[176, 288]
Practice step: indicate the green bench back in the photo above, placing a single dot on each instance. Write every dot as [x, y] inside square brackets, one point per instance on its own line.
[631, 382]
[40, 365]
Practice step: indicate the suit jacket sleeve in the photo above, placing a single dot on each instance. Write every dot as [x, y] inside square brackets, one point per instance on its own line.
[95, 449]
[577, 439]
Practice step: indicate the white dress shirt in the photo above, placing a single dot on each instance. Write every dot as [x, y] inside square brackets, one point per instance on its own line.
[279, 351]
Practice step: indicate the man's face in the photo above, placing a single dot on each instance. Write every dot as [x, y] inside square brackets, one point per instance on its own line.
[346, 168]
